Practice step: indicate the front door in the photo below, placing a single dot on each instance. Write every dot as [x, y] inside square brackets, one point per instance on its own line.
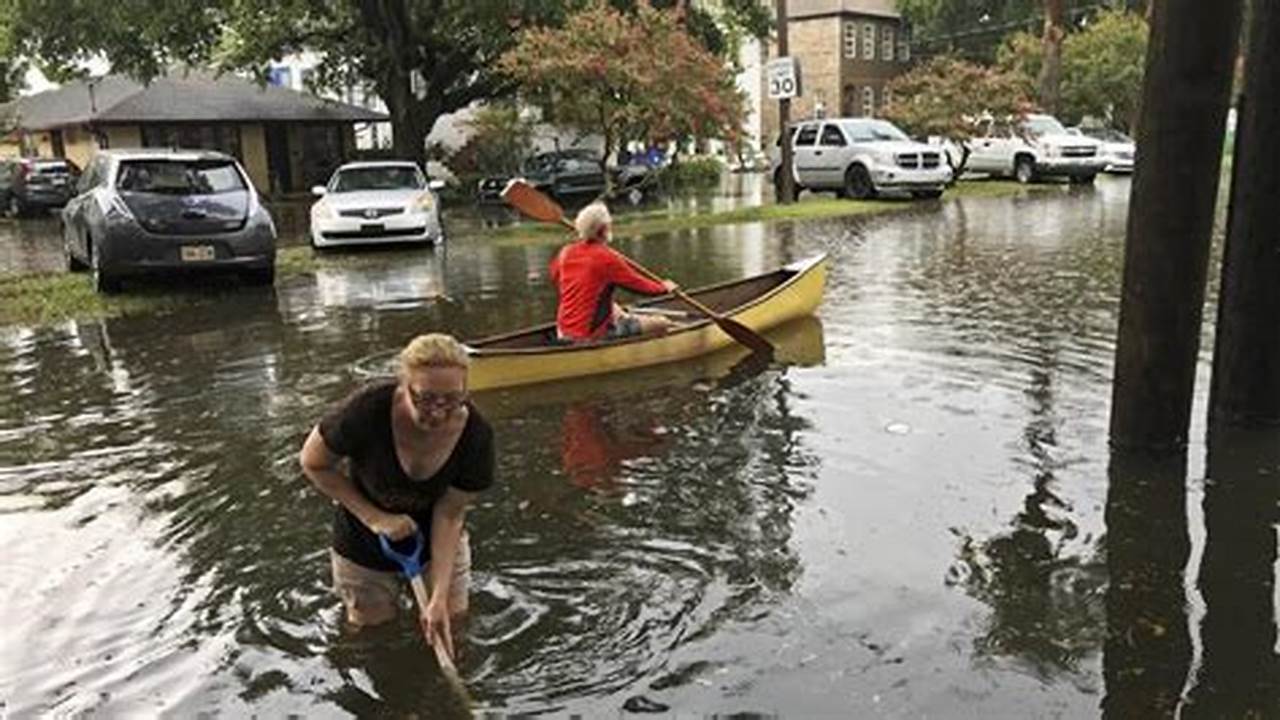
[830, 156]
[279, 165]
[806, 158]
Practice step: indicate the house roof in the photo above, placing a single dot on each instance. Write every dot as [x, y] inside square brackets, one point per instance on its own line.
[180, 96]
[804, 9]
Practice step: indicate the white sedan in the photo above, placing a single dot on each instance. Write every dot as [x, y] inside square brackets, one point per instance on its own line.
[376, 202]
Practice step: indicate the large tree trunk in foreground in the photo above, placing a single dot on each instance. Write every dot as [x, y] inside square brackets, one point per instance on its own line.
[1246, 364]
[1171, 213]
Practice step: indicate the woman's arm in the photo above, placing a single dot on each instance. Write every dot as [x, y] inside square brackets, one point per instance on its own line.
[447, 518]
[321, 466]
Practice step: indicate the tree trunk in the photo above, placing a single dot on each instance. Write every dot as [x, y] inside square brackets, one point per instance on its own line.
[411, 119]
[1050, 81]
[1246, 364]
[1147, 652]
[1171, 213]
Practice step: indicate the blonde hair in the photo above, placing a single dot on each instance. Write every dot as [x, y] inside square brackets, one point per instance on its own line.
[433, 350]
[592, 220]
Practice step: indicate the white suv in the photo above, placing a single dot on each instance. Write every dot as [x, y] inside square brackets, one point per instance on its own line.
[1037, 146]
[862, 157]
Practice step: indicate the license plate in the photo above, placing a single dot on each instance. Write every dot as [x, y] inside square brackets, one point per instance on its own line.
[197, 253]
[372, 227]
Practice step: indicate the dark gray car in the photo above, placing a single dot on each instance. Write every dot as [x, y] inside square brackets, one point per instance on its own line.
[30, 185]
[141, 212]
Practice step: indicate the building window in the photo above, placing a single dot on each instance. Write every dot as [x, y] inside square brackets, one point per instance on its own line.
[851, 40]
[904, 46]
[886, 97]
[868, 42]
[868, 101]
[886, 43]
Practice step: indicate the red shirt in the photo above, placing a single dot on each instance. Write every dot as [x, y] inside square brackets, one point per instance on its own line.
[586, 274]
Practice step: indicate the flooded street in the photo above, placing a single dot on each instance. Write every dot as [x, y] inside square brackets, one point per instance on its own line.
[907, 519]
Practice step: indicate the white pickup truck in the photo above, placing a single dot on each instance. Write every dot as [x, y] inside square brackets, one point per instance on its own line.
[862, 157]
[1035, 147]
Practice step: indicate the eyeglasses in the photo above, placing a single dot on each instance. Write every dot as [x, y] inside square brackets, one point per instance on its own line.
[430, 400]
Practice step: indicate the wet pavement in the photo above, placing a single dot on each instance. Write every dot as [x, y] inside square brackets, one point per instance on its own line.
[911, 517]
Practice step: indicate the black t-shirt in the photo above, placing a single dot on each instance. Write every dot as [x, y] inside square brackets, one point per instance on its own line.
[359, 429]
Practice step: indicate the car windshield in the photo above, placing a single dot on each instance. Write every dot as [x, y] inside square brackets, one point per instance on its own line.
[391, 177]
[180, 177]
[872, 130]
[1043, 125]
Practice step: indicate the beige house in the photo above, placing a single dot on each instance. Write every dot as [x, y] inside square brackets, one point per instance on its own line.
[286, 140]
[848, 51]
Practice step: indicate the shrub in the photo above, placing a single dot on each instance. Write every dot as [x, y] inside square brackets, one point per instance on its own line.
[692, 174]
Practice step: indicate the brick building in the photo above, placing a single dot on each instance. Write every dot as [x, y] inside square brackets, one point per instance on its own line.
[848, 51]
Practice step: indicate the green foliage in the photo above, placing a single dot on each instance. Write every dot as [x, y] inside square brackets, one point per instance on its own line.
[13, 69]
[944, 96]
[626, 77]
[691, 174]
[451, 45]
[1102, 69]
[1021, 55]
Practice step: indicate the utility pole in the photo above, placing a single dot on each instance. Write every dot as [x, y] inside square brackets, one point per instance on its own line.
[1246, 362]
[786, 186]
[1184, 109]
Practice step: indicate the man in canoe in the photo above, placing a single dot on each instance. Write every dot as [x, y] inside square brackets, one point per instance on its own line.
[417, 454]
[586, 272]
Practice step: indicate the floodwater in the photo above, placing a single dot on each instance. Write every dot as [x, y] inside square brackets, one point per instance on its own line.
[910, 517]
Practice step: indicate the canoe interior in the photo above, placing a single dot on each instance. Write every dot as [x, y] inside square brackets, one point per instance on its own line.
[723, 298]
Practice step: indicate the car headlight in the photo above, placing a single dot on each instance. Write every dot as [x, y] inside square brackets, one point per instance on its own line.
[1052, 150]
[424, 202]
[322, 210]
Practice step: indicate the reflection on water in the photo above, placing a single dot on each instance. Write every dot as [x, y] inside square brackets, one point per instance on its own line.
[908, 513]
[1238, 674]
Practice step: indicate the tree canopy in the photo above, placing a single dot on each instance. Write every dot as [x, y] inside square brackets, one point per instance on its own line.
[1102, 67]
[626, 76]
[423, 58]
[946, 95]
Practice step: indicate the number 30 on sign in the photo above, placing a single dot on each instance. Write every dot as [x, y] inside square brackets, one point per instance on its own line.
[782, 76]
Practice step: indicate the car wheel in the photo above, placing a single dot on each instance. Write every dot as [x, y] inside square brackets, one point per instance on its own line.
[261, 276]
[103, 281]
[1024, 169]
[14, 208]
[857, 183]
[926, 194]
[1082, 179]
[74, 264]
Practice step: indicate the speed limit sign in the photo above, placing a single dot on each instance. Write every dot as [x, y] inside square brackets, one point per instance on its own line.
[782, 75]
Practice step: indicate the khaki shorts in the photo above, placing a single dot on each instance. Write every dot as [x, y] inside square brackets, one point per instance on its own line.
[367, 590]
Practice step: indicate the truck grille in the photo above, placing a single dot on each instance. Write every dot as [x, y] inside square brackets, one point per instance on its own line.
[912, 161]
[1079, 151]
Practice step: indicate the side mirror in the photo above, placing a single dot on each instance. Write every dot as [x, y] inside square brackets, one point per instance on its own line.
[435, 184]
[319, 191]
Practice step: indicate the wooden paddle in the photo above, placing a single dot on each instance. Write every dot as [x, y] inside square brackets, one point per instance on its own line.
[528, 200]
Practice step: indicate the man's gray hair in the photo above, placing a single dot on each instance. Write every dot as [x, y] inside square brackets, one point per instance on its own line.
[592, 222]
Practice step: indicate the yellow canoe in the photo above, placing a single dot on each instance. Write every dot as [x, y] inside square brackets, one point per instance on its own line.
[761, 302]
